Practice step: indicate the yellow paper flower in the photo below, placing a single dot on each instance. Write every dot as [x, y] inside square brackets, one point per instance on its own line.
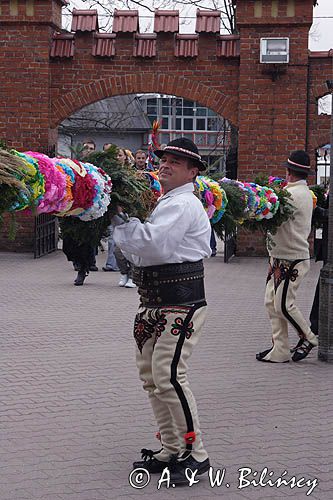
[314, 199]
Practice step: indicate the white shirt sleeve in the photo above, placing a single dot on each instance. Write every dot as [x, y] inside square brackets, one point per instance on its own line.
[159, 237]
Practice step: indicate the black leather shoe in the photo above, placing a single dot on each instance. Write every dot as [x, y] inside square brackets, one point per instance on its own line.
[150, 463]
[93, 268]
[261, 355]
[178, 469]
[81, 276]
[302, 349]
[293, 349]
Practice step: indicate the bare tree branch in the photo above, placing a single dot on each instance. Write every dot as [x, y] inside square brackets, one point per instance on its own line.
[111, 120]
[107, 7]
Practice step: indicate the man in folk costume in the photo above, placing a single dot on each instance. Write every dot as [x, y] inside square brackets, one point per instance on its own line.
[289, 264]
[168, 249]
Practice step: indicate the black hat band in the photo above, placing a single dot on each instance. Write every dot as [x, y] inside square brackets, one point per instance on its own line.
[298, 164]
[182, 150]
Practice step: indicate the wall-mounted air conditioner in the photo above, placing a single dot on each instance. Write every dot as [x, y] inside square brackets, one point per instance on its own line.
[274, 50]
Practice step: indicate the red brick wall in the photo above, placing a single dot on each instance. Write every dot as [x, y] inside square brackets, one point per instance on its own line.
[272, 114]
[25, 73]
[24, 239]
[210, 80]
[274, 117]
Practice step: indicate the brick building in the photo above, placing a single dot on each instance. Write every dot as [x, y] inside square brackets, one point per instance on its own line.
[47, 75]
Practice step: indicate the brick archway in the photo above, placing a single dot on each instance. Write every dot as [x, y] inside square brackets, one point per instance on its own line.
[65, 105]
[66, 71]
[58, 73]
[319, 140]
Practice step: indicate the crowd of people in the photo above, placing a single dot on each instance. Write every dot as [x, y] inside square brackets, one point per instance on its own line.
[124, 156]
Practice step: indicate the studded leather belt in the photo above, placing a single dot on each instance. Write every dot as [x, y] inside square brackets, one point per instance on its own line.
[170, 284]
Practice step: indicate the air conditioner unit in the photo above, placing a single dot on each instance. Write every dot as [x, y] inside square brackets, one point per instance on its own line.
[274, 50]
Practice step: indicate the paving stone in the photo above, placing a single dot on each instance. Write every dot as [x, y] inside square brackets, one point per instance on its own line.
[73, 415]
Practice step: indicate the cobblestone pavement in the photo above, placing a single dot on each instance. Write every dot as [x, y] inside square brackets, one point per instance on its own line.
[73, 415]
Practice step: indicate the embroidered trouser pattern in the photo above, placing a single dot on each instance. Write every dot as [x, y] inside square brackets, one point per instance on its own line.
[165, 339]
[283, 281]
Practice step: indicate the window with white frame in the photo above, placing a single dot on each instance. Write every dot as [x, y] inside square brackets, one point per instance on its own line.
[178, 114]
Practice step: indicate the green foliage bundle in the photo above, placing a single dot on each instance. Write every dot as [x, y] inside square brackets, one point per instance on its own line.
[129, 190]
[240, 208]
[234, 212]
[84, 232]
[284, 212]
[11, 173]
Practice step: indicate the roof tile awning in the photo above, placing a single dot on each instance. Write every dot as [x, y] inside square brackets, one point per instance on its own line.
[104, 45]
[84, 20]
[186, 45]
[145, 45]
[208, 21]
[125, 21]
[166, 21]
[62, 45]
[228, 46]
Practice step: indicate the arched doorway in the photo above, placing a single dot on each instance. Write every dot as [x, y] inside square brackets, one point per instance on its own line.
[126, 120]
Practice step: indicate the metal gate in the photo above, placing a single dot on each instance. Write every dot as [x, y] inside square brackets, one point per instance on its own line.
[229, 246]
[46, 226]
[231, 172]
[45, 235]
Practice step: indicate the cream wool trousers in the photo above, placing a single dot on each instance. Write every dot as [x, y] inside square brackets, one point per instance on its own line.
[165, 339]
[283, 281]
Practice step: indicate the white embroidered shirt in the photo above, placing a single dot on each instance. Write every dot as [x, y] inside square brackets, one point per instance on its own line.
[178, 230]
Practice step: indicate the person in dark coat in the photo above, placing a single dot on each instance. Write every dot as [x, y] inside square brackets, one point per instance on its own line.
[82, 255]
[320, 215]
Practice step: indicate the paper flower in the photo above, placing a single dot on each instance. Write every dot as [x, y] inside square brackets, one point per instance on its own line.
[33, 181]
[314, 199]
[155, 184]
[212, 197]
[65, 203]
[55, 183]
[103, 187]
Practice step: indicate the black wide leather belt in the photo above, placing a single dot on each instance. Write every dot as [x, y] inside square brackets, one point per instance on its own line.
[170, 284]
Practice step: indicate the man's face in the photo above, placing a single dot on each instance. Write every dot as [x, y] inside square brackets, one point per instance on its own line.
[287, 175]
[175, 171]
[88, 147]
[140, 160]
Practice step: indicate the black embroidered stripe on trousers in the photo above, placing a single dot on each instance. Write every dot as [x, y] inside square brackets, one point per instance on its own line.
[174, 365]
[284, 299]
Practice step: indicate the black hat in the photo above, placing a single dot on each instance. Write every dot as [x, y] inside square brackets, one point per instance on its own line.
[184, 148]
[299, 161]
